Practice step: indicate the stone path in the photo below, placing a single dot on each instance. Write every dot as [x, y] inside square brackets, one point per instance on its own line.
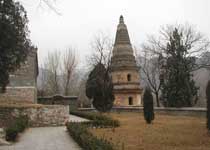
[46, 138]
[76, 119]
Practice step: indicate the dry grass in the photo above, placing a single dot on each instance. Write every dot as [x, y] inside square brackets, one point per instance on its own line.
[166, 133]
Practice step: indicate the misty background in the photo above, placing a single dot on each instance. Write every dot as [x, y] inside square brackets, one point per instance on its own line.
[76, 23]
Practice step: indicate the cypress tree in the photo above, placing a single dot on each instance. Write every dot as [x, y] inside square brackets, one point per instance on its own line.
[148, 106]
[14, 39]
[208, 105]
[99, 88]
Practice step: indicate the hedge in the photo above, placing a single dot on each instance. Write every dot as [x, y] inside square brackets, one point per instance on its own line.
[17, 125]
[97, 119]
[80, 133]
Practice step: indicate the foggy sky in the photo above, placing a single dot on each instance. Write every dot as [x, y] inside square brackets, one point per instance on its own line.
[81, 20]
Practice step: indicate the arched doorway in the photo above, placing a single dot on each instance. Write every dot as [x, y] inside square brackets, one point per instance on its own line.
[129, 77]
[130, 101]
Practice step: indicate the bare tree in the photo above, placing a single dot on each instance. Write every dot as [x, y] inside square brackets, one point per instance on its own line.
[205, 59]
[51, 4]
[155, 53]
[150, 72]
[52, 64]
[102, 50]
[42, 86]
[68, 67]
[195, 43]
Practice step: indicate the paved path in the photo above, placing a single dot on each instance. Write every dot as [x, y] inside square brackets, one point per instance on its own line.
[76, 119]
[46, 138]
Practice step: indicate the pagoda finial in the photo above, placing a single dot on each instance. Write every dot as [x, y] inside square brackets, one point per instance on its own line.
[121, 19]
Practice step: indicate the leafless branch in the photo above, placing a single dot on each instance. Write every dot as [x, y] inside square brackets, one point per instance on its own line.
[102, 50]
[150, 71]
[195, 43]
[52, 64]
[69, 66]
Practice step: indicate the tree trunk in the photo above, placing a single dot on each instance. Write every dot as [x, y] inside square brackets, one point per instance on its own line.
[157, 99]
[67, 88]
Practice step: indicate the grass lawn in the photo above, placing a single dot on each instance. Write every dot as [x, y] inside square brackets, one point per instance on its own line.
[166, 133]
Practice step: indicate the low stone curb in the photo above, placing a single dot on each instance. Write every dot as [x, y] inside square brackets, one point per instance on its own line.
[4, 143]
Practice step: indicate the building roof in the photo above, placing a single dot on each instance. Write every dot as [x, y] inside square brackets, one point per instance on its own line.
[122, 56]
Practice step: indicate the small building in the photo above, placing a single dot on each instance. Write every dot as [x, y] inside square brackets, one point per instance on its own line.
[23, 82]
[124, 70]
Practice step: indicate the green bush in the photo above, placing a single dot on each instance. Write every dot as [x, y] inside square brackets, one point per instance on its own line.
[80, 133]
[97, 119]
[18, 125]
[22, 123]
[11, 133]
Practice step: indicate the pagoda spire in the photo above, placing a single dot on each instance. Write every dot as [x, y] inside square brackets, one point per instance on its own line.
[122, 36]
[121, 19]
[122, 54]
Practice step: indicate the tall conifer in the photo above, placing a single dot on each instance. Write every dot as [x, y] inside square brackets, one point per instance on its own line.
[148, 106]
[178, 86]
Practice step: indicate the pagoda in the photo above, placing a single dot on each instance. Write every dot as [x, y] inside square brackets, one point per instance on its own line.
[124, 70]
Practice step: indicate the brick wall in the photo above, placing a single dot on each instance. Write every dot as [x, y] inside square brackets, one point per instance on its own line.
[121, 76]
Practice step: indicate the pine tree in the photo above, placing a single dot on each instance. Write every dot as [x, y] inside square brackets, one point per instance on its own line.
[14, 42]
[178, 86]
[208, 105]
[148, 106]
[99, 88]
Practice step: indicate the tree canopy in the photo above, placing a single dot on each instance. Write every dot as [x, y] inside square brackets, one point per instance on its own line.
[178, 87]
[14, 41]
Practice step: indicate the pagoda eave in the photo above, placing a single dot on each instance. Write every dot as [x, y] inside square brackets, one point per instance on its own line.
[127, 91]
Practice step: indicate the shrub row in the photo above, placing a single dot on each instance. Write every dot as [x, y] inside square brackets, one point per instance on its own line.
[80, 133]
[97, 119]
[16, 126]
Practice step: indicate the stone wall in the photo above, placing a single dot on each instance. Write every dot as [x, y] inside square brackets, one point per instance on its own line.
[26, 75]
[71, 101]
[185, 111]
[23, 82]
[20, 94]
[48, 115]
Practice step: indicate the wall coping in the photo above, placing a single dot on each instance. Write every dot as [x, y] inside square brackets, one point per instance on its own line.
[25, 106]
[198, 109]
